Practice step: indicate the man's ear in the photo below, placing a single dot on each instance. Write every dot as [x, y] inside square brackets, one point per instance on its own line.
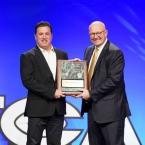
[106, 33]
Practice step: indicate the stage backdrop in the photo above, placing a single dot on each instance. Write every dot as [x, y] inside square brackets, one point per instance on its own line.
[70, 19]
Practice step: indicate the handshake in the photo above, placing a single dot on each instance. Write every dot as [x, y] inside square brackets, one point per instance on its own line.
[72, 79]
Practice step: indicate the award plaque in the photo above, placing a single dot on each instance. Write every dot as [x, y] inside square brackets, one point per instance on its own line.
[71, 76]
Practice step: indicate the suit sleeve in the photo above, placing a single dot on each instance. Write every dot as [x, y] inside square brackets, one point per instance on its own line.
[65, 56]
[30, 81]
[113, 78]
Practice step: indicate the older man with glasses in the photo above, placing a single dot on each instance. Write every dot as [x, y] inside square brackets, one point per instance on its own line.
[106, 100]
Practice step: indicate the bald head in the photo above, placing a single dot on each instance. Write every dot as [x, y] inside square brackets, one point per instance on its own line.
[98, 33]
[98, 25]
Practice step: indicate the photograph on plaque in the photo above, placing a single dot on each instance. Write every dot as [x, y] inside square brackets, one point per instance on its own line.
[71, 76]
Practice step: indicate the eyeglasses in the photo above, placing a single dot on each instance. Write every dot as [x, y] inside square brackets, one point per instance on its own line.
[97, 33]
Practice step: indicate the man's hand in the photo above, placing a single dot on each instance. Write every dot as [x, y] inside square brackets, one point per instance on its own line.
[58, 94]
[85, 95]
[75, 59]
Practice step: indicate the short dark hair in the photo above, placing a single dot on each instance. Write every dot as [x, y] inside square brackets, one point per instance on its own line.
[43, 24]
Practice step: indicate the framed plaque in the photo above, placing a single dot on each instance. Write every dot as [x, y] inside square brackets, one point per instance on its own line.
[71, 76]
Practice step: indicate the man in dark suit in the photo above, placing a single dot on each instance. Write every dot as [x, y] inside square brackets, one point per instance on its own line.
[45, 105]
[106, 101]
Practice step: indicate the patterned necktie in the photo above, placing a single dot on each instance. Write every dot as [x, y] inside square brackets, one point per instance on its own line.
[92, 65]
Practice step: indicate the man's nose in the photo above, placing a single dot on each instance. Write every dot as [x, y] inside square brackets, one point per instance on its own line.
[96, 36]
[44, 36]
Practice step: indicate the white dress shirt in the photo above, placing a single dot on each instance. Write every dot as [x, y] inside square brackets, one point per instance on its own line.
[100, 48]
[50, 57]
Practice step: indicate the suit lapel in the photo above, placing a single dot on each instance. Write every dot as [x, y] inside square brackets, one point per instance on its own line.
[102, 55]
[89, 55]
[58, 56]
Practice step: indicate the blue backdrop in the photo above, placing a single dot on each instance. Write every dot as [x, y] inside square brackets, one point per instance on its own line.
[70, 19]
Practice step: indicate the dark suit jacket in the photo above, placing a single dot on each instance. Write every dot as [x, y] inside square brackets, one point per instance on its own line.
[108, 97]
[38, 79]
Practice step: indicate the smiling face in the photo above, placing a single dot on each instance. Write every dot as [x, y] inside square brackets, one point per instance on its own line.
[98, 33]
[43, 37]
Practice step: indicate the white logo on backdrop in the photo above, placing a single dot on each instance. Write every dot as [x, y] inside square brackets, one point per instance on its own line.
[14, 126]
